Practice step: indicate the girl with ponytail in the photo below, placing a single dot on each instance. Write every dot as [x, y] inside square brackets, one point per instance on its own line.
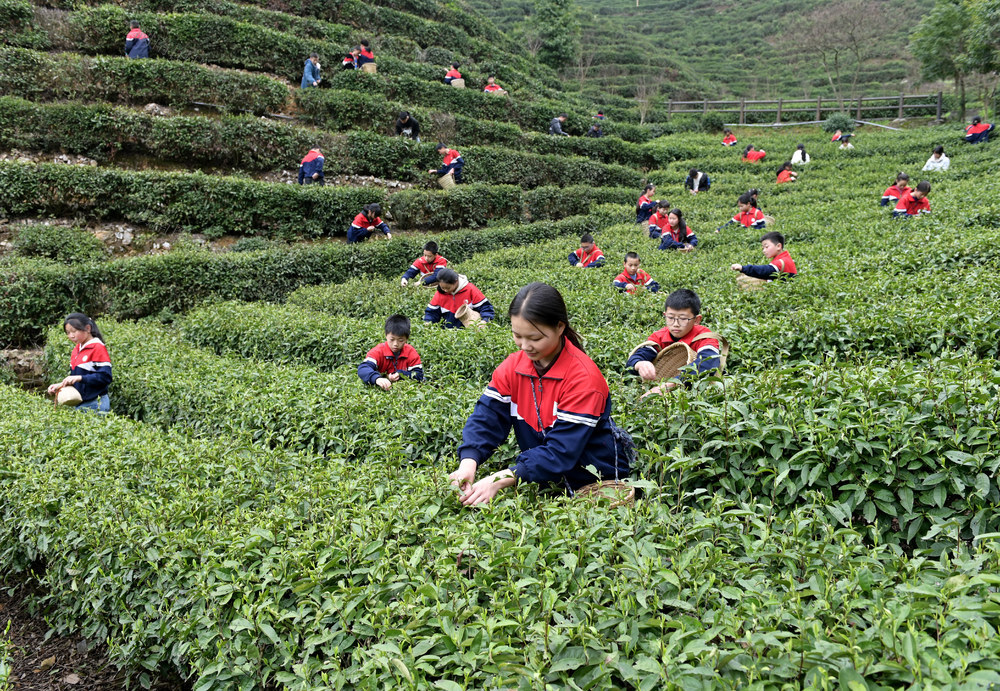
[90, 366]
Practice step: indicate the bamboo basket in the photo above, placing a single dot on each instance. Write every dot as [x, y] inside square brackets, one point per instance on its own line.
[369, 67]
[447, 182]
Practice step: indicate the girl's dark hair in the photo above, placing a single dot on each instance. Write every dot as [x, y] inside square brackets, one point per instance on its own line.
[747, 150]
[454, 65]
[448, 276]
[662, 204]
[540, 303]
[787, 165]
[976, 120]
[373, 208]
[727, 131]
[745, 198]
[693, 173]
[924, 186]
[649, 187]
[939, 149]
[681, 226]
[901, 176]
[440, 145]
[80, 322]
[365, 42]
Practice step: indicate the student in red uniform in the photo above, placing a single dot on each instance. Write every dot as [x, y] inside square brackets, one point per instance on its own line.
[645, 206]
[453, 291]
[90, 364]
[427, 266]
[896, 190]
[452, 161]
[978, 132]
[366, 223]
[658, 221]
[491, 85]
[914, 202]
[387, 362]
[729, 139]
[136, 42]
[557, 402]
[677, 235]
[752, 155]
[350, 61]
[311, 168]
[682, 312]
[773, 246]
[633, 278]
[365, 53]
[452, 74]
[749, 216]
[786, 174]
[589, 256]
[844, 138]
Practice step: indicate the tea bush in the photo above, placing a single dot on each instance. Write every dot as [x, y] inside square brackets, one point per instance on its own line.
[65, 244]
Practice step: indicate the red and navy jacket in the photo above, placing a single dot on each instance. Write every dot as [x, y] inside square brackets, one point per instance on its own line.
[836, 137]
[561, 420]
[754, 156]
[443, 306]
[754, 218]
[627, 282]
[784, 176]
[490, 88]
[706, 349]
[974, 134]
[365, 56]
[672, 240]
[729, 140]
[908, 205]
[380, 360]
[422, 267]
[452, 74]
[892, 194]
[92, 363]
[452, 161]
[644, 208]
[312, 163]
[349, 62]
[781, 266]
[361, 222]
[591, 260]
[137, 44]
[657, 223]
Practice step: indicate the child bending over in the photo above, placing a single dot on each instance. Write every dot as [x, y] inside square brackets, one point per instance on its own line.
[387, 362]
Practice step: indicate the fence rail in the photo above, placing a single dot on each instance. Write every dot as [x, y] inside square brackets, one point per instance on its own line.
[782, 106]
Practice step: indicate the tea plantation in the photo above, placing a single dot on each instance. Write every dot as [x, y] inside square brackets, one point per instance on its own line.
[824, 515]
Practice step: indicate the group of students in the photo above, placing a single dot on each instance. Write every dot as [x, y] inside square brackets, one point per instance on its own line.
[311, 169]
[454, 77]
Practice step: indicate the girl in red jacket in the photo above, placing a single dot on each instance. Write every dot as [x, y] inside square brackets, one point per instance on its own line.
[751, 155]
[556, 400]
[90, 364]
[786, 174]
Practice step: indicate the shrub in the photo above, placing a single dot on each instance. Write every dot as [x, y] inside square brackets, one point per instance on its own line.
[65, 244]
[839, 121]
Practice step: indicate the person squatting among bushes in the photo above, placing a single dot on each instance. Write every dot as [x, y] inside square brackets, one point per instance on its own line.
[645, 207]
[452, 162]
[589, 256]
[781, 266]
[387, 362]
[90, 365]
[136, 42]
[453, 292]
[632, 278]
[557, 402]
[896, 190]
[914, 202]
[428, 265]
[310, 72]
[366, 223]
[407, 126]
[676, 234]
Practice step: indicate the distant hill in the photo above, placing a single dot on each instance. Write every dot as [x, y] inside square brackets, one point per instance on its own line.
[713, 49]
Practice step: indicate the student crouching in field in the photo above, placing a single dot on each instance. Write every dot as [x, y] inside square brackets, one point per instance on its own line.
[453, 292]
[407, 126]
[311, 168]
[428, 265]
[676, 235]
[452, 162]
[752, 155]
[800, 157]
[350, 60]
[938, 160]
[589, 256]
[645, 207]
[697, 181]
[749, 216]
[914, 202]
[781, 265]
[136, 42]
[682, 312]
[556, 400]
[896, 190]
[632, 278]
[387, 362]
[728, 139]
[366, 223]
[786, 174]
[86, 387]
[978, 132]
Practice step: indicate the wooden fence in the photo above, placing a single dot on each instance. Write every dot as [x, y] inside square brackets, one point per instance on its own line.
[815, 107]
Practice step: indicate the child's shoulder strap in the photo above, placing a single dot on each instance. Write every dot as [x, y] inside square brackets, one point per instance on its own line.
[723, 345]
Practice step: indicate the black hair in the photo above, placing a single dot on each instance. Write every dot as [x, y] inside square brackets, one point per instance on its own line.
[802, 148]
[80, 322]
[727, 131]
[365, 42]
[663, 204]
[939, 150]
[775, 237]
[540, 303]
[924, 186]
[314, 55]
[752, 193]
[448, 276]
[562, 115]
[976, 120]
[491, 76]
[681, 225]
[693, 173]
[431, 246]
[454, 65]
[440, 145]
[787, 165]
[586, 237]
[683, 299]
[901, 176]
[632, 255]
[397, 325]
[747, 150]
[403, 115]
[745, 198]
[372, 209]
[649, 186]
[134, 24]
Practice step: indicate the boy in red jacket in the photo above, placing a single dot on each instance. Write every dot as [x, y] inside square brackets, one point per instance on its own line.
[773, 246]
[427, 266]
[452, 162]
[914, 202]
[452, 292]
[589, 256]
[633, 278]
[387, 362]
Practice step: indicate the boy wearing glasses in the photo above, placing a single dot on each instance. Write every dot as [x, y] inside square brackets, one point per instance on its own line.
[682, 312]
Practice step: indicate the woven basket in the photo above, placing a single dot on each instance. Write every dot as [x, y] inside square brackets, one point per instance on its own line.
[69, 396]
[672, 359]
[768, 220]
[458, 83]
[369, 67]
[619, 493]
[467, 315]
[447, 181]
[420, 281]
[749, 283]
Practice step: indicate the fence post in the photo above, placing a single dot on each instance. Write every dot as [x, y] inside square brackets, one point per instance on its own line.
[743, 111]
[670, 107]
[704, 107]
[900, 116]
[819, 101]
[939, 112]
[858, 116]
[780, 102]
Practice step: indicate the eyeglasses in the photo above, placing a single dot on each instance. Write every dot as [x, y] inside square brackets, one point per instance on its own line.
[677, 320]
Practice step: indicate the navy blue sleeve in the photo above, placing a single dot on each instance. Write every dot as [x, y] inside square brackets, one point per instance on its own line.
[302, 174]
[692, 240]
[431, 277]
[654, 232]
[410, 273]
[667, 242]
[643, 354]
[689, 182]
[487, 428]
[432, 314]
[708, 182]
[415, 373]
[368, 373]
[884, 201]
[620, 285]
[596, 263]
[764, 271]
[900, 213]
[573, 259]
[129, 42]
[653, 287]
[383, 227]
[486, 311]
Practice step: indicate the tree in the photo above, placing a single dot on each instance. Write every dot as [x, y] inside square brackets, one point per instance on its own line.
[556, 24]
[647, 89]
[983, 41]
[940, 44]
